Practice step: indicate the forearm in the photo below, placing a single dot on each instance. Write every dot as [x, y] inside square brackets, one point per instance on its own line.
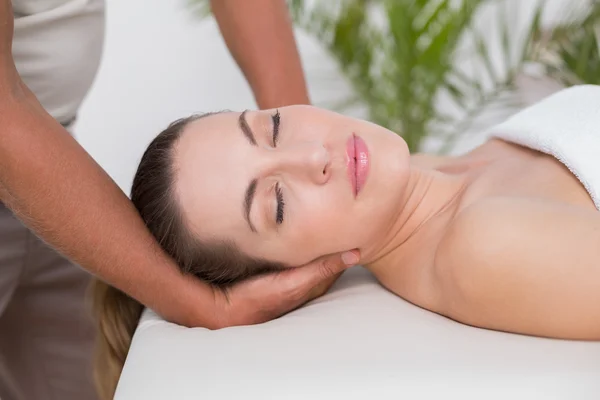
[57, 189]
[259, 36]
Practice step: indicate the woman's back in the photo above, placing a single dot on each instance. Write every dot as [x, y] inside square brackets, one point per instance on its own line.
[508, 254]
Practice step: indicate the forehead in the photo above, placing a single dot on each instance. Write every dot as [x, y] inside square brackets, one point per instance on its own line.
[210, 177]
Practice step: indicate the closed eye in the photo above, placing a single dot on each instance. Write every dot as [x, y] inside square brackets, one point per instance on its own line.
[280, 204]
[276, 121]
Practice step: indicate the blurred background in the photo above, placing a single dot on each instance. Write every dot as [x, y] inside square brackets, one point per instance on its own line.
[437, 72]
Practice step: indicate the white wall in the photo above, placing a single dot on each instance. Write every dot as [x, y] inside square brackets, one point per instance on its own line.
[161, 63]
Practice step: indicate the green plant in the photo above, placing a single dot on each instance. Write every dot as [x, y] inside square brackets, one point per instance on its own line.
[400, 59]
[570, 52]
[404, 58]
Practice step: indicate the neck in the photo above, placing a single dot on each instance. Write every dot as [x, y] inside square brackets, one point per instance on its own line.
[429, 193]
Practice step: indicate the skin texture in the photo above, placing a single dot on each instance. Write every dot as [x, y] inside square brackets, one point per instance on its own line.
[321, 214]
[522, 254]
[515, 250]
[502, 237]
[57, 189]
[259, 36]
[445, 251]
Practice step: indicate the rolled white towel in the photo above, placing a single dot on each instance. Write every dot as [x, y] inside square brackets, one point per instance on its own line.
[565, 125]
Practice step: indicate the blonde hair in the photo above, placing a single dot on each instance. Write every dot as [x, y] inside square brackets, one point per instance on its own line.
[117, 316]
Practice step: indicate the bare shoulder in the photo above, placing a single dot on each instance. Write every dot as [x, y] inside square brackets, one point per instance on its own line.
[478, 234]
[495, 231]
[491, 223]
[480, 228]
[504, 263]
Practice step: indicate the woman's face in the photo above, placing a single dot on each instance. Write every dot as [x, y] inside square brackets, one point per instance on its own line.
[284, 185]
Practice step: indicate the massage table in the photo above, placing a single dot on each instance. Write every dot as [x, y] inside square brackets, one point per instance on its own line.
[358, 341]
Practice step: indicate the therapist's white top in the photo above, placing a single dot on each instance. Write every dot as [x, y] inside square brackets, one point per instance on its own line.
[57, 48]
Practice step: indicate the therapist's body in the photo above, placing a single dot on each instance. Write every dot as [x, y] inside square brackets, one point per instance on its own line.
[64, 197]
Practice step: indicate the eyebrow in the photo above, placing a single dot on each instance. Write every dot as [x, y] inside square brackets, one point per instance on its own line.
[251, 189]
[243, 123]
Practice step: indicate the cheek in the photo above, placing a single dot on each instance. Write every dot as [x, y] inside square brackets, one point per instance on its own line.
[321, 225]
[312, 129]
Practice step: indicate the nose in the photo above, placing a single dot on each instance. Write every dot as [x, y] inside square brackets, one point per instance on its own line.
[305, 160]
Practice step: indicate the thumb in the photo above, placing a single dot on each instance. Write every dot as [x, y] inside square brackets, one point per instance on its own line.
[302, 279]
[284, 291]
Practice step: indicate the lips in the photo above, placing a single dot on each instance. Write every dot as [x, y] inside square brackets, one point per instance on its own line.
[357, 162]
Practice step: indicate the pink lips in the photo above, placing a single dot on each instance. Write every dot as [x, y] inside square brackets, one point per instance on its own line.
[357, 162]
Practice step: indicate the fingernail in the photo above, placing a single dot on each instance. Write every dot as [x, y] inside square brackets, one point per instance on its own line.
[349, 258]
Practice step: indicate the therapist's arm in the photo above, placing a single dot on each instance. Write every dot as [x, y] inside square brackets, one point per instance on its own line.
[259, 36]
[59, 191]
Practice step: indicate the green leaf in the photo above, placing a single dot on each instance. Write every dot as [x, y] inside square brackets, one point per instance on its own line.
[505, 37]
[534, 32]
[399, 62]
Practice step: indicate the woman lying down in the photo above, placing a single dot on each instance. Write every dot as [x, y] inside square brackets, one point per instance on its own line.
[504, 237]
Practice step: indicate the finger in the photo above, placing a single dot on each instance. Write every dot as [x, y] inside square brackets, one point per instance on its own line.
[322, 287]
[351, 258]
[281, 292]
[300, 281]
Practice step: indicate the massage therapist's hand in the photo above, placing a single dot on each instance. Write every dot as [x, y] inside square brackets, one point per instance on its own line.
[270, 296]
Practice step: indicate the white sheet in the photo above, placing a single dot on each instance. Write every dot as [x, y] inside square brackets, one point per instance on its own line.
[357, 342]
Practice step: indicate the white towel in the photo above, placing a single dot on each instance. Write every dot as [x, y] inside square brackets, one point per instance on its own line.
[565, 125]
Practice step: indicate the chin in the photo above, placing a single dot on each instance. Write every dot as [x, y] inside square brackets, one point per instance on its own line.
[386, 192]
[394, 167]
